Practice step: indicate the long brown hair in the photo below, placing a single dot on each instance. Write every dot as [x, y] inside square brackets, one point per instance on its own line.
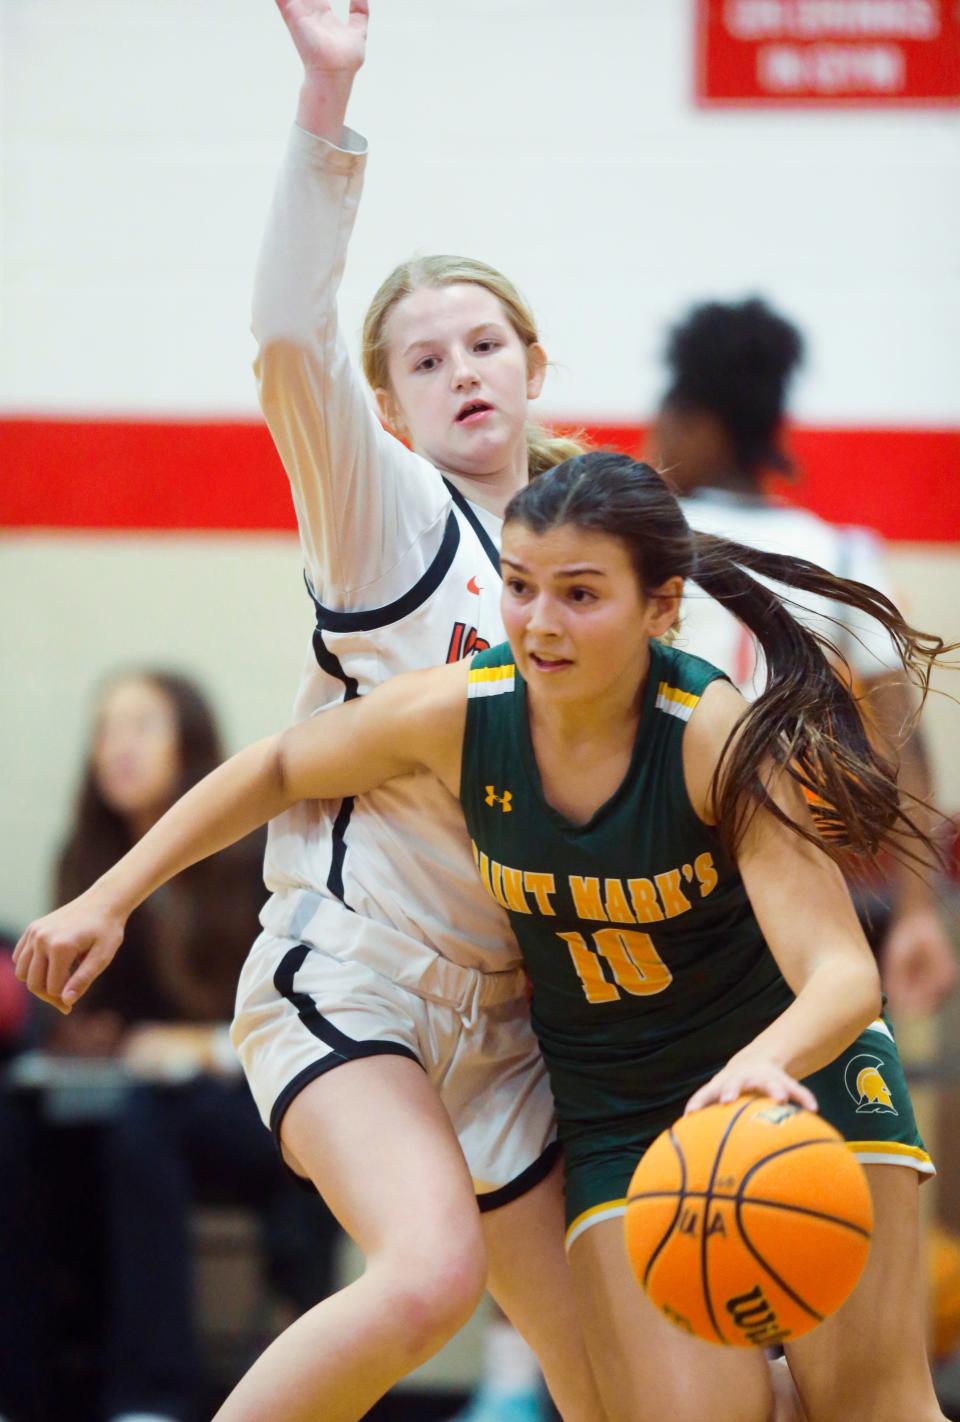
[807, 719]
[186, 945]
[99, 835]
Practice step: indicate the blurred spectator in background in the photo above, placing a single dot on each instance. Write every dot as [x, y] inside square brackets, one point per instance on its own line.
[19, 1300]
[187, 1130]
[718, 435]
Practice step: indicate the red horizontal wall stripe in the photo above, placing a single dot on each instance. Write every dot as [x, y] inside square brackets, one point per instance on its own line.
[225, 475]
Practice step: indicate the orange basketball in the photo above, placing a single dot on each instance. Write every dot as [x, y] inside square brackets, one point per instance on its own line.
[748, 1224]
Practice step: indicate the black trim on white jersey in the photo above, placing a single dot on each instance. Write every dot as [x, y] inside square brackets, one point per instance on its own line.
[332, 665]
[487, 543]
[330, 620]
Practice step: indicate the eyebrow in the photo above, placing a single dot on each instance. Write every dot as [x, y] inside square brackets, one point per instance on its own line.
[574, 572]
[474, 331]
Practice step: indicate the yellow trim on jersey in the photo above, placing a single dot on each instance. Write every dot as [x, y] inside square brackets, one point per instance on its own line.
[491, 681]
[675, 701]
[890, 1148]
[596, 1214]
[492, 673]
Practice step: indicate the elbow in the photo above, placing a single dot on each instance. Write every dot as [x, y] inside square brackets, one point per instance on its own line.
[280, 774]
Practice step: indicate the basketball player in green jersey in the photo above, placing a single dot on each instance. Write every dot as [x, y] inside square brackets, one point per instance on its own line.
[688, 935]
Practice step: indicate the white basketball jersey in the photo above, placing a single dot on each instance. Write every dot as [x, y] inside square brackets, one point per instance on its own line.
[708, 630]
[402, 573]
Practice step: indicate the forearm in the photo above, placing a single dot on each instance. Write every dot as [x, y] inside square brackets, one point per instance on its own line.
[233, 800]
[892, 706]
[835, 1004]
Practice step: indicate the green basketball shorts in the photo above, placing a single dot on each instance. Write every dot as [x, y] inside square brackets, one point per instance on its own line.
[863, 1094]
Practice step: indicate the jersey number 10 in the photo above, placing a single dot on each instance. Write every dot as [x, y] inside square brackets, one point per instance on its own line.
[636, 964]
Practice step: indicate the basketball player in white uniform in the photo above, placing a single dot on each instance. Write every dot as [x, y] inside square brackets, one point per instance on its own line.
[717, 434]
[381, 1016]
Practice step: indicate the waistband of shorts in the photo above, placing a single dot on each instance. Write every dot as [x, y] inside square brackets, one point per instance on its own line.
[331, 929]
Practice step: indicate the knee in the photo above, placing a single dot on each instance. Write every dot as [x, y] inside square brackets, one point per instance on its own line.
[433, 1294]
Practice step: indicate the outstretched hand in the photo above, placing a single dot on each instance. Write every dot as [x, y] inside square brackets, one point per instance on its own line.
[325, 43]
[61, 954]
[751, 1077]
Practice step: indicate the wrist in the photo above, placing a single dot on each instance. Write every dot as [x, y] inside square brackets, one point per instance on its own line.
[322, 106]
[106, 897]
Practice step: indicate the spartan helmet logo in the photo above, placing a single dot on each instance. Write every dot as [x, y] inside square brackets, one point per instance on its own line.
[864, 1081]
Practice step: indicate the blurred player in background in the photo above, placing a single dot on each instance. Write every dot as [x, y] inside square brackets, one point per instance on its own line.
[718, 435]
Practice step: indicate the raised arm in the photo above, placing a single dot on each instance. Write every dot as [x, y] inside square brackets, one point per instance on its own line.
[332, 52]
[361, 497]
[413, 722]
[807, 918]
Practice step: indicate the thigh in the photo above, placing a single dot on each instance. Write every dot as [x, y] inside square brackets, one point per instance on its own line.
[377, 1143]
[646, 1369]
[528, 1268]
[868, 1362]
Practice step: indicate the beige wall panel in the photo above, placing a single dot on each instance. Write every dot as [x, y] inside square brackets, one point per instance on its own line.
[927, 582]
[231, 611]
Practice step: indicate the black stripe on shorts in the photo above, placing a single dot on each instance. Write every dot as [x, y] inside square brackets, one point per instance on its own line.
[344, 1048]
[520, 1184]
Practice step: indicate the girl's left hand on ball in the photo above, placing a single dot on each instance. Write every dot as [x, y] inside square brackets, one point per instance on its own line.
[751, 1078]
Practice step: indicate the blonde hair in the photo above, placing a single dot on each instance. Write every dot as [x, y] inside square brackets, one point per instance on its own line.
[544, 449]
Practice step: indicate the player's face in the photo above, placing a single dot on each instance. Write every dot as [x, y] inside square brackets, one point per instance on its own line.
[136, 749]
[578, 621]
[460, 379]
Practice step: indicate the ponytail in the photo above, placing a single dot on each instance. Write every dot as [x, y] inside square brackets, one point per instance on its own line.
[545, 450]
[807, 719]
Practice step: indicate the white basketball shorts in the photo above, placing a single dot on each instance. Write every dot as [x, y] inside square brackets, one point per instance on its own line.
[301, 1012]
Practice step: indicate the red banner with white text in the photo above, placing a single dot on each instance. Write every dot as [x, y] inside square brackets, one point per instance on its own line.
[828, 52]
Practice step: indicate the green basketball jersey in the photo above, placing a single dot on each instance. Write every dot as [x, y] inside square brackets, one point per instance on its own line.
[648, 967]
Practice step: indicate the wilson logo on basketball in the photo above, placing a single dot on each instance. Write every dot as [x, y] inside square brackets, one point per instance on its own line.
[758, 1323]
[865, 1084]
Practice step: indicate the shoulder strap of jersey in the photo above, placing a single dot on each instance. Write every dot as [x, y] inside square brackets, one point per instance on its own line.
[681, 679]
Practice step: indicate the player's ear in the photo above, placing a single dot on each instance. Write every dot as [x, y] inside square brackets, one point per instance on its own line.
[536, 369]
[663, 606]
[390, 413]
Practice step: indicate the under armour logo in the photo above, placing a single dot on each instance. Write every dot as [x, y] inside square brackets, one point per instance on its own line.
[504, 800]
